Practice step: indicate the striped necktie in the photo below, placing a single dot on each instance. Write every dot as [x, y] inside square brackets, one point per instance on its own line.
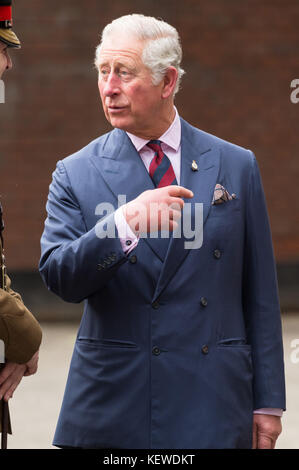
[162, 174]
[160, 169]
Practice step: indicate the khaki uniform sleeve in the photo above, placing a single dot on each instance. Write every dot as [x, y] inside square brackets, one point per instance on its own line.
[19, 330]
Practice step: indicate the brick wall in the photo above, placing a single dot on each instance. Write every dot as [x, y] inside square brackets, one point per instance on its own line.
[240, 58]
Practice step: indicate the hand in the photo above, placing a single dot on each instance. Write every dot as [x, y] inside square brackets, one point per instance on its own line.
[10, 377]
[12, 373]
[156, 209]
[266, 429]
[32, 365]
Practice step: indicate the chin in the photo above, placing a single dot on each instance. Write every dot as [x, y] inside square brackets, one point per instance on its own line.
[120, 123]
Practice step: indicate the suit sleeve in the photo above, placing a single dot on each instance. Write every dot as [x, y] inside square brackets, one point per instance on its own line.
[76, 262]
[261, 301]
[19, 330]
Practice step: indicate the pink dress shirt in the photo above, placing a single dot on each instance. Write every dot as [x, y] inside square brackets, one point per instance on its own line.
[171, 145]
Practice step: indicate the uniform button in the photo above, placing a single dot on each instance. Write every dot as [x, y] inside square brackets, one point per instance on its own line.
[133, 259]
[203, 302]
[205, 349]
[128, 242]
[156, 351]
[217, 254]
[155, 304]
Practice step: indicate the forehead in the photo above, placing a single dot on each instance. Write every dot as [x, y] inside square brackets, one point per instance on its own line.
[2, 46]
[121, 49]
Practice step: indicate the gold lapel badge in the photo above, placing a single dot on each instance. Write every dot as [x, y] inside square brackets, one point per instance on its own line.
[194, 166]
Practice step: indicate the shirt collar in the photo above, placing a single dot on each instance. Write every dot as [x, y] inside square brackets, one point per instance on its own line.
[172, 136]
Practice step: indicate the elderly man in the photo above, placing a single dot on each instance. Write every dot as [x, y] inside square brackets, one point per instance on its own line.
[177, 347]
[20, 333]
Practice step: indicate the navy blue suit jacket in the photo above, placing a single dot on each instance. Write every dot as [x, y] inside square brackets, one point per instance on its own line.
[154, 364]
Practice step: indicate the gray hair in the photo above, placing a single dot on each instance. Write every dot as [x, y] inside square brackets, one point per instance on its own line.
[162, 50]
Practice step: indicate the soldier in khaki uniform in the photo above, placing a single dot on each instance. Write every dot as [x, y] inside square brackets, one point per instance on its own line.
[19, 330]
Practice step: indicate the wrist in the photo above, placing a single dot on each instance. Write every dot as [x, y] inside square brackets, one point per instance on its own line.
[129, 214]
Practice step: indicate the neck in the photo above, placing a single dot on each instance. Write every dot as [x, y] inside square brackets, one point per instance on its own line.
[160, 125]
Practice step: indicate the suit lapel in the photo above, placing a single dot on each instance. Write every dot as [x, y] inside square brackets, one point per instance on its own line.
[121, 166]
[195, 145]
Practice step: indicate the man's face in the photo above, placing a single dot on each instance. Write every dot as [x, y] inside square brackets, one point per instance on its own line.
[130, 100]
[5, 60]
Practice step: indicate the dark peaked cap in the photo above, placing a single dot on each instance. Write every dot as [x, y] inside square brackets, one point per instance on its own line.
[6, 33]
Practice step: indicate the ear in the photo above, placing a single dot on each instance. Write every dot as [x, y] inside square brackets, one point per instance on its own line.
[169, 82]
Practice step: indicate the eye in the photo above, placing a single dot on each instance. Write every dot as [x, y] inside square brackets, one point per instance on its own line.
[104, 73]
[124, 73]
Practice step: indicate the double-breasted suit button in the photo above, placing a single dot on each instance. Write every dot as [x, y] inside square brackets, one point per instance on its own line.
[133, 259]
[155, 304]
[205, 349]
[156, 351]
[203, 302]
[217, 253]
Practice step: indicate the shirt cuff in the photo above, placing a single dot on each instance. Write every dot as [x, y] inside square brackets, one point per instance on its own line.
[269, 411]
[127, 237]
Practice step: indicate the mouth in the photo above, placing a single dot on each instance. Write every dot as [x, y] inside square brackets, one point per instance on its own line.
[115, 109]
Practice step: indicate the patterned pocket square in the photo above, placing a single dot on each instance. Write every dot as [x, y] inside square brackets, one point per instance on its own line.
[221, 195]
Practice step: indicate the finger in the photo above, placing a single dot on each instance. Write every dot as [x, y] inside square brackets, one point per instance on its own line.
[174, 215]
[7, 371]
[31, 370]
[173, 225]
[179, 191]
[264, 442]
[5, 388]
[273, 443]
[12, 385]
[254, 436]
[7, 396]
[176, 202]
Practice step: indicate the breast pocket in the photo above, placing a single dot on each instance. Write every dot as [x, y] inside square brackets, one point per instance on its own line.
[224, 209]
[224, 221]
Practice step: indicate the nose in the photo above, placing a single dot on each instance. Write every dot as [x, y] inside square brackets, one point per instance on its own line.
[9, 61]
[112, 85]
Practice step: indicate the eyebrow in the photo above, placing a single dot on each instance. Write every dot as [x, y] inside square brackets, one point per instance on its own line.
[117, 63]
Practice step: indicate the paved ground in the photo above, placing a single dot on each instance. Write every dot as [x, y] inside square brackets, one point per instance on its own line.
[36, 403]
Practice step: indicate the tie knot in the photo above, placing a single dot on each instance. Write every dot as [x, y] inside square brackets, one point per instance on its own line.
[154, 145]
